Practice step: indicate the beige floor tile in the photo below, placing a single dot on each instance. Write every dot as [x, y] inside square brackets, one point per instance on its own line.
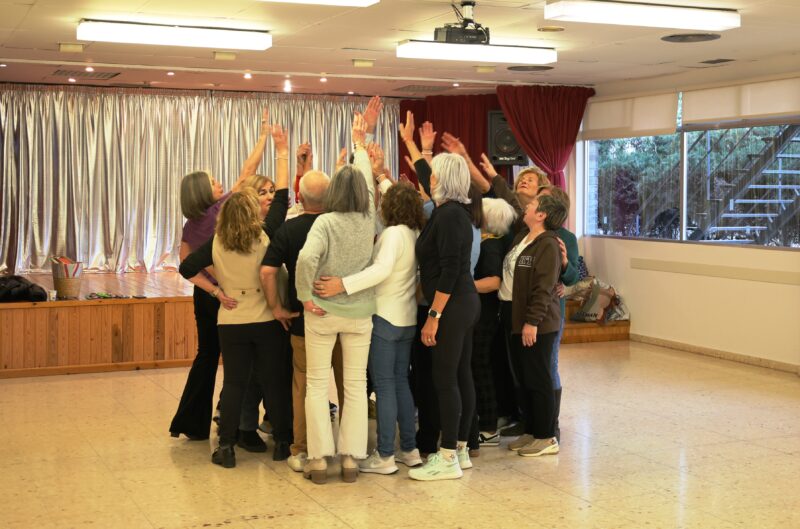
[318, 520]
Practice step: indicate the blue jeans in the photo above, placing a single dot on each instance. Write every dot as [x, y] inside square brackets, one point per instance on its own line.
[554, 358]
[389, 358]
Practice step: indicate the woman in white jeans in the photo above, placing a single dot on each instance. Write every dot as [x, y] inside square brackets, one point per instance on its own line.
[339, 244]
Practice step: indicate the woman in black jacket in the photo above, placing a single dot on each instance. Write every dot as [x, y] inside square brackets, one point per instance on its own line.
[443, 251]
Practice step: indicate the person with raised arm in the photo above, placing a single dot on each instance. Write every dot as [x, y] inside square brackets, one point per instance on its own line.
[201, 198]
[339, 244]
[443, 251]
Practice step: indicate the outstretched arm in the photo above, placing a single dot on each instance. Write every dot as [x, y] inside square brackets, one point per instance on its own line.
[256, 155]
[454, 145]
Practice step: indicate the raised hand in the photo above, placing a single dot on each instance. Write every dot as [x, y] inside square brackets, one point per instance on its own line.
[303, 152]
[453, 145]
[359, 130]
[264, 122]
[487, 166]
[372, 112]
[376, 158]
[407, 130]
[341, 161]
[281, 141]
[427, 136]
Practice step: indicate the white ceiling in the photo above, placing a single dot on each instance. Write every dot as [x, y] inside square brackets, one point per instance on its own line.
[309, 40]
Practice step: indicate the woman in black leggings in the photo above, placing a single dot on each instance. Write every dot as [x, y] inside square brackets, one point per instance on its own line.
[443, 251]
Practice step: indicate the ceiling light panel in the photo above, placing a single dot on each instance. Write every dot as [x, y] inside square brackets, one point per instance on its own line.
[424, 49]
[341, 3]
[158, 34]
[646, 15]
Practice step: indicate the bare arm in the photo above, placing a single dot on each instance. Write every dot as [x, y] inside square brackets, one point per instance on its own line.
[487, 284]
[454, 145]
[256, 155]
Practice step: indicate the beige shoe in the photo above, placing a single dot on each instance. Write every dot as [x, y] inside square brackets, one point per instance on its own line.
[316, 470]
[521, 442]
[540, 447]
[349, 469]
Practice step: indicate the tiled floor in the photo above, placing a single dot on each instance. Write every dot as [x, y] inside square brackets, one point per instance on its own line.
[652, 438]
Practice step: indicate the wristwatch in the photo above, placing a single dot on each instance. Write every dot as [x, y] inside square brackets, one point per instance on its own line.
[435, 315]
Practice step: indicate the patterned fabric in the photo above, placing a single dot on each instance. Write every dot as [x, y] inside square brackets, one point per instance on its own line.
[583, 271]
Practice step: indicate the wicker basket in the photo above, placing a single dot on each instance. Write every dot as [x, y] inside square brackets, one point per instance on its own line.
[67, 280]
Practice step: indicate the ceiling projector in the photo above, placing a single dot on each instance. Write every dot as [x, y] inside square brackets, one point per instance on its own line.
[466, 31]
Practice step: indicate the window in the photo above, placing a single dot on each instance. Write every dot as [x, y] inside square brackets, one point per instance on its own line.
[634, 187]
[742, 186]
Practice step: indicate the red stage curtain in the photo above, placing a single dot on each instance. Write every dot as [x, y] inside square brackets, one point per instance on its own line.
[545, 120]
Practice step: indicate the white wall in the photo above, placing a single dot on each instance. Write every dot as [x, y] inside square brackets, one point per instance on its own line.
[746, 317]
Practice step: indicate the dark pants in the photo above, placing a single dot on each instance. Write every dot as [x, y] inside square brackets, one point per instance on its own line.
[260, 348]
[532, 378]
[423, 390]
[482, 372]
[194, 411]
[505, 394]
[452, 368]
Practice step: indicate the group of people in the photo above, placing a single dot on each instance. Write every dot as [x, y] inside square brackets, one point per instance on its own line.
[424, 294]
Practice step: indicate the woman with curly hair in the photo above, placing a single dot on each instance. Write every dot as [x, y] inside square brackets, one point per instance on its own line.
[393, 274]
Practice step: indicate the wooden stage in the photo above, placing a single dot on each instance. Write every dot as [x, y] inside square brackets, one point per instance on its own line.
[85, 336]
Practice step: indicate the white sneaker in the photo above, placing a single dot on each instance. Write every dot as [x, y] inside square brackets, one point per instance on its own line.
[437, 467]
[463, 458]
[298, 462]
[409, 459]
[377, 464]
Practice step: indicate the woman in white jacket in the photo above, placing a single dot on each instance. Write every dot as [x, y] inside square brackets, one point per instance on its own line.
[394, 275]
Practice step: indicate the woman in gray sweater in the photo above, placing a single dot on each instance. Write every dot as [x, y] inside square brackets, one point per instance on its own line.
[339, 244]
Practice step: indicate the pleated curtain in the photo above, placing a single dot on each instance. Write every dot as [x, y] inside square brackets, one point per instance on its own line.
[94, 173]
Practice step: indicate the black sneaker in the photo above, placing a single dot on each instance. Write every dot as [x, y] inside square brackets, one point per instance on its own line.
[281, 451]
[251, 441]
[224, 457]
[489, 439]
[515, 430]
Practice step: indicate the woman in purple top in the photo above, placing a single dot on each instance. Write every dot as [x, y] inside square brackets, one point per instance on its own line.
[201, 199]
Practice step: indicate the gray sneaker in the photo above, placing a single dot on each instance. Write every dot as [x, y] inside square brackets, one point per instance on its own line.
[523, 441]
[540, 447]
[377, 464]
[409, 459]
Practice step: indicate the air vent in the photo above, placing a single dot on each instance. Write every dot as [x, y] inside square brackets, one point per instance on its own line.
[716, 61]
[421, 88]
[688, 38]
[86, 76]
[530, 68]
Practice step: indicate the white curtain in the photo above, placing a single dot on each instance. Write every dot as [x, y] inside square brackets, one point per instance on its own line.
[94, 173]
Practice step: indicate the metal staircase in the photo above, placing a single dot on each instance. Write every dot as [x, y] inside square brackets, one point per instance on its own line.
[749, 196]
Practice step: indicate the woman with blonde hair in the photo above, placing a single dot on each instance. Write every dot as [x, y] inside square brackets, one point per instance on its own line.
[250, 337]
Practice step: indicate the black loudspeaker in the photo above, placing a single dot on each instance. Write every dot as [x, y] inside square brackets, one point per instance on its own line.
[503, 147]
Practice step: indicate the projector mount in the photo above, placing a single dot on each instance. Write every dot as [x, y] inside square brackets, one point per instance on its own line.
[466, 31]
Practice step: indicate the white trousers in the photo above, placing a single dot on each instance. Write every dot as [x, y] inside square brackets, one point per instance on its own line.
[355, 335]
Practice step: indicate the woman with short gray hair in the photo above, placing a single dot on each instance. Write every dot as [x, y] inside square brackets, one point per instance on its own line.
[443, 251]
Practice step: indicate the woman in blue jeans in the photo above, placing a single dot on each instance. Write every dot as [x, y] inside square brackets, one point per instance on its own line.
[394, 276]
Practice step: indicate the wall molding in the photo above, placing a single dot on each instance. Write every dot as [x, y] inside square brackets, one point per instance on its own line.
[716, 353]
[760, 275]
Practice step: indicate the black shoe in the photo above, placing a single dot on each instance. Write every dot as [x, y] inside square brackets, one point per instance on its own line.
[515, 430]
[281, 451]
[251, 441]
[224, 456]
[188, 436]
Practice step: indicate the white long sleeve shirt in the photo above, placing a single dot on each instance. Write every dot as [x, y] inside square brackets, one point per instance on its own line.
[393, 273]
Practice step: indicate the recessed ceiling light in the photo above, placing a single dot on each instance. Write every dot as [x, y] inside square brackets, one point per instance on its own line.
[287, 86]
[89, 69]
[323, 79]
[426, 49]
[342, 3]
[248, 75]
[3, 65]
[170, 73]
[71, 80]
[550, 29]
[640, 14]
[456, 85]
[350, 92]
[689, 38]
[171, 35]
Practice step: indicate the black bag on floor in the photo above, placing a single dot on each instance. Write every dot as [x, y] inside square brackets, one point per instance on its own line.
[17, 288]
